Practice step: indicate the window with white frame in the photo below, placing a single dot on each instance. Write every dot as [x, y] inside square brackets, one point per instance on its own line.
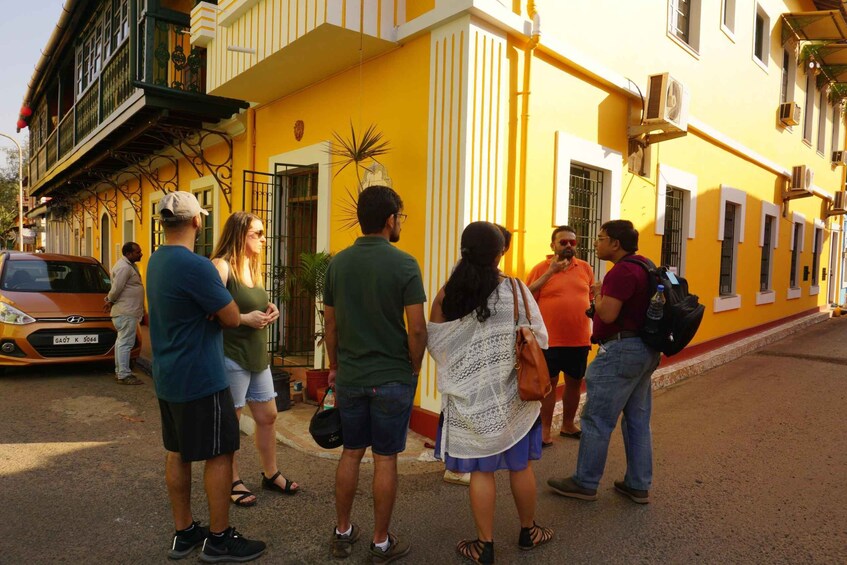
[728, 16]
[836, 126]
[129, 229]
[768, 238]
[731, 218]
[789, 73]
[205, 243]
[809, 108]
[676, 209]
[684, 22]
[797, 243]
[817, 243]
[761, 36]
[587, 189]
[157, 233]
[822, 121]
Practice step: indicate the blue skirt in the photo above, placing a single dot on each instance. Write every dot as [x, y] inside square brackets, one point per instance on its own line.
[516, 458]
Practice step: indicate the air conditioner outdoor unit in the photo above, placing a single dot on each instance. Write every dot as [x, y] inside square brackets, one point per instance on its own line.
[789, 113]
[839, 157]
[840, 203]
[802, 178]
[667, 102]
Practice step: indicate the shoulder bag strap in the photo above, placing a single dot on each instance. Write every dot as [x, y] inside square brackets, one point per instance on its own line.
[525, 305]
[515, 299]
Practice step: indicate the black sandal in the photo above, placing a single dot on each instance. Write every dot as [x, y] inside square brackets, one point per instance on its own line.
[270, 484]
[534, 536]
[483, 550]
[241, 494]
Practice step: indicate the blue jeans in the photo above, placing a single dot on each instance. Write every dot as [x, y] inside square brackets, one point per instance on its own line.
[247, 386]
[375, 416]
[126, 326]
[618, 380]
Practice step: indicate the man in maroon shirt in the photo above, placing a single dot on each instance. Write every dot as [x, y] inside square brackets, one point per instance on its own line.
[619, 378]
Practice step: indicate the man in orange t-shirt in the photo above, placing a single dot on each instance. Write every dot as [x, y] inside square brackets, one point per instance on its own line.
[561, 285]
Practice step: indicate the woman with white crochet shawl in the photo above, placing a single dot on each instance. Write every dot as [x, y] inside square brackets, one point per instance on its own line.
[485, 426]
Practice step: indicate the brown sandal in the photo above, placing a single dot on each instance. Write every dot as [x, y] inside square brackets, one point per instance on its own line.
[476, 550]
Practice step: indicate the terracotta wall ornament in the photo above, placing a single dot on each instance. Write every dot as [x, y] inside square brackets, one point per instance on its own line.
[299, 127]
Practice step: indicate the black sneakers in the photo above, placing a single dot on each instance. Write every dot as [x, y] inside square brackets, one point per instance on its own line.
[232, 546]
[185, 541]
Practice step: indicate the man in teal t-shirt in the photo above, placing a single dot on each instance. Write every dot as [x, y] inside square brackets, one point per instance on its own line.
[189, 306]
[374, 363]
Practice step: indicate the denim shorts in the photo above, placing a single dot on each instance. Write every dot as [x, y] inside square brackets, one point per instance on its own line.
[247, 386]
[376, 416]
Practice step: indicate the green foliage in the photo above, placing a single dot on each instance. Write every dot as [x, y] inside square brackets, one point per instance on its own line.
[9, 195]
[308, 280]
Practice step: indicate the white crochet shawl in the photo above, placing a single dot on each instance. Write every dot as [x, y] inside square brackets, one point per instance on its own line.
[483, 414]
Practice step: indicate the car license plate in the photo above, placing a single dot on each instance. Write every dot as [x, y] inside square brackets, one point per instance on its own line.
[75, 339]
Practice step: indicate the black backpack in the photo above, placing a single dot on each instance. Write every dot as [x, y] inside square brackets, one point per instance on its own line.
[683, 311]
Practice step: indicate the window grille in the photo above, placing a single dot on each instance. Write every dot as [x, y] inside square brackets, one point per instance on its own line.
[792, 282]
[786, 66]
[672, 239]
[759, 37]
[767, 248]
[585, 207]
[822, 108]
[809, 108]
[816, 256]
[205, 243]
[287, 203]
[728, 250]
[157, 234]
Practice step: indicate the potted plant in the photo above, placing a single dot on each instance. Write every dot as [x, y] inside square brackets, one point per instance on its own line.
[309, 281]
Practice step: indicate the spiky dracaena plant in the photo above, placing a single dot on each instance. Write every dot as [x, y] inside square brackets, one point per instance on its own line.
[310, 279]
[356, 150]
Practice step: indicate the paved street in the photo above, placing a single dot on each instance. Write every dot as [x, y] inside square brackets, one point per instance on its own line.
[751, 460]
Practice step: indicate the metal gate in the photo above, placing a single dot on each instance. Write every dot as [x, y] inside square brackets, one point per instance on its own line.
[585, 209]
[287, 201]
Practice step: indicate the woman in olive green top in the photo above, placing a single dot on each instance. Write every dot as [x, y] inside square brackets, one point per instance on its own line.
[237, 259]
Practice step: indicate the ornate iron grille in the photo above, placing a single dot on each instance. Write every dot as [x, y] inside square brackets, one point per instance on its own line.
[727, 250]
[176, 64]
[157, 234]
[792, 277]
[286, 201]
[672, 240]
[117, 85]
[765, 270]
[585, 206]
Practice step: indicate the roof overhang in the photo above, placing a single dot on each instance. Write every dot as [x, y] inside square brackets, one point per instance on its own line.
[825, 25]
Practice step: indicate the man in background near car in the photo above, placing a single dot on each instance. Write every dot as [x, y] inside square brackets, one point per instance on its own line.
[189, 307]
[561, 285]
[620, 377]
[125, 303]
[374, 363]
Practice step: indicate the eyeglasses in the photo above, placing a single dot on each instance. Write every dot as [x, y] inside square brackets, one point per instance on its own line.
[571, 242]
[258, 233]
[401, 217]
[602, 237]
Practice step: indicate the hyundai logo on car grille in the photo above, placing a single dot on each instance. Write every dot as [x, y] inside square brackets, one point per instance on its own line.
[75, 319]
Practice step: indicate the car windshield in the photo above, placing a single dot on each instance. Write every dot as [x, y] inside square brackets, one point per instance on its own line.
[54, 276]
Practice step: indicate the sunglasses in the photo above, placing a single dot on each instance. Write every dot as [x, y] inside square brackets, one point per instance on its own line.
[258, 233]
[571, 242]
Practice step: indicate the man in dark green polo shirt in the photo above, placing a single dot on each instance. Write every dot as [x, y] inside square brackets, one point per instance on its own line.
[374, 363]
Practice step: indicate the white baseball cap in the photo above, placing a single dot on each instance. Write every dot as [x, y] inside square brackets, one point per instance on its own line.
[180, 205]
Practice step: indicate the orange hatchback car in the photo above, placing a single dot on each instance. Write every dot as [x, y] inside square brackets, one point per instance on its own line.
[51, 310]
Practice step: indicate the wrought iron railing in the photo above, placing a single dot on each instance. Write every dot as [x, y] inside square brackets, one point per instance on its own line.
[52, 149]
[66, 134]
[116, 81]
[174, 63]
[87, 111]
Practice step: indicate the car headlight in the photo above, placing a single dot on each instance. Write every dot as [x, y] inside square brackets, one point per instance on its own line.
[11, 315]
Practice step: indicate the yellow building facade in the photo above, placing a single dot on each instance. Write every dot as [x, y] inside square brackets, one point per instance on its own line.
[529, 114]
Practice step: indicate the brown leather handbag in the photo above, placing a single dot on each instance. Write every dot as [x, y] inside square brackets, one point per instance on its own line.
[533, 375]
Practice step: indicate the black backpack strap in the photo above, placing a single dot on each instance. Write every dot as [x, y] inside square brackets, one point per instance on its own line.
[646, 264]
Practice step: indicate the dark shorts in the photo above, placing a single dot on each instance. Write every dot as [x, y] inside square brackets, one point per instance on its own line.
[571, 361]
[200, 429]
[376, 416]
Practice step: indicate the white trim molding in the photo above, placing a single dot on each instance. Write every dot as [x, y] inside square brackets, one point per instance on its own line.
[769, 209]
[765, 297]
[571, 149]
[793, 293]
[724, 303]
[682, 180]
[736, 196]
